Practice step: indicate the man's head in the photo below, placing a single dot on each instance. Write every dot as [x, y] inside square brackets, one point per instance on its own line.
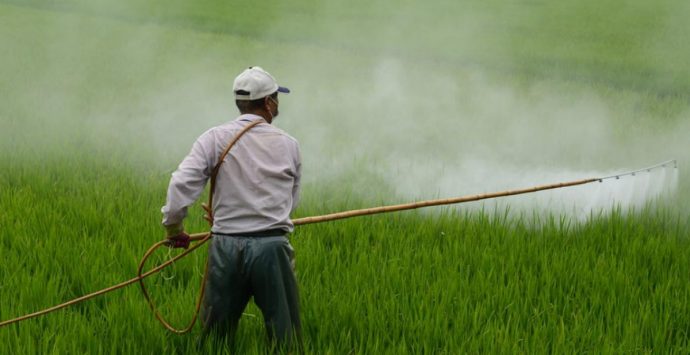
[256, 91]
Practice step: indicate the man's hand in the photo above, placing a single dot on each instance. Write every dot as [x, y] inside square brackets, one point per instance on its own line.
[177, 237]
[178, 241]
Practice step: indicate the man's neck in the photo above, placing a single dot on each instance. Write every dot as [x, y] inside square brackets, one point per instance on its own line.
[263, 114]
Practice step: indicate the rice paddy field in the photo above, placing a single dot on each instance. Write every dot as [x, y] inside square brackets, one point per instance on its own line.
[392, 101]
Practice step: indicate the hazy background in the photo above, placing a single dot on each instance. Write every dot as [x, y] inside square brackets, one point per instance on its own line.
[411, 101]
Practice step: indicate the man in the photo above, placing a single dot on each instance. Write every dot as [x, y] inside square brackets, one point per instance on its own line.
[256, 189]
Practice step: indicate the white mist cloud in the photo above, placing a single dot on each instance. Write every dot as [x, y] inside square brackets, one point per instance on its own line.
[428, 118]
[475, 136]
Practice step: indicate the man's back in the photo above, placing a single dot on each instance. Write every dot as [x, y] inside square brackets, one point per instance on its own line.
[257, 186]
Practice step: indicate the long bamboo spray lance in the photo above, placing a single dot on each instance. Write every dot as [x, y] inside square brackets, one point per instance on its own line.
[457, 200]
[203, 237]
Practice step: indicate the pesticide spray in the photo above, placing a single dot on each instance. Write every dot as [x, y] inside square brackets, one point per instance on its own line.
[617, 191]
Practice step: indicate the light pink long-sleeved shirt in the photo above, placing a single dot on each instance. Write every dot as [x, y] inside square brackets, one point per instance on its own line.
[257, 186]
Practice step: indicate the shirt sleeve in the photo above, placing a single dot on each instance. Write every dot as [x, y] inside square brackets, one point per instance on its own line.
[298, 178]
[188, 182]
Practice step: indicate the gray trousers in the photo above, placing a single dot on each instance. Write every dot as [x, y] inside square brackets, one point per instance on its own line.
[242, 267]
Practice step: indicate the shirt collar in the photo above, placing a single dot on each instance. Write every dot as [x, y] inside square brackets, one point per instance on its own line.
[250, 117]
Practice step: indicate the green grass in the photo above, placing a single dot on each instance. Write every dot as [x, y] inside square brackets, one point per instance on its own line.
[450, 282]
[100, 100]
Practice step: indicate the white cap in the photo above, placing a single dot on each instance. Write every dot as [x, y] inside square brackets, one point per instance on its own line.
[257, 82]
